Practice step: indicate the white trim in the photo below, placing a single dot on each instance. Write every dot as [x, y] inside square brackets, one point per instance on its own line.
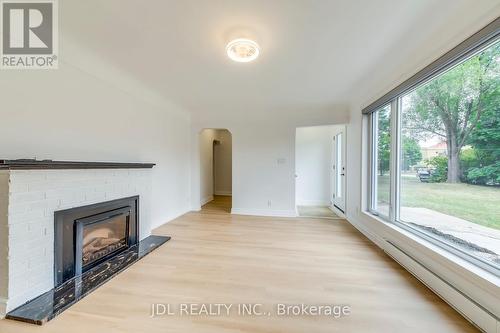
[474, 293]
[223, 193]
[206, 200]
[264, 212]
[313, 203]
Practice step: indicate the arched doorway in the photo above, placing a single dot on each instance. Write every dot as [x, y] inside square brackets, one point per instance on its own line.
[215, 169]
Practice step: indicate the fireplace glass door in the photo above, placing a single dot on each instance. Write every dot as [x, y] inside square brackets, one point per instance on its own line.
[100, 236]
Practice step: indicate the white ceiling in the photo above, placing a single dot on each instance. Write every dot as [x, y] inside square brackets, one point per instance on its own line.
[313, 53]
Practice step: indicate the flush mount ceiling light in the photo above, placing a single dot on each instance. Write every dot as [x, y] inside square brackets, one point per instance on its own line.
[242, 50]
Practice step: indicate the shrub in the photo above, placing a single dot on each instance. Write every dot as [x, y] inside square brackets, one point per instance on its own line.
[440, 169]
[487, 175]
[468, 159]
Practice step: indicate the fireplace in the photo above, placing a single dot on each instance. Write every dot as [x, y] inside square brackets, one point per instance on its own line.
[100, 236]
[92, 245]
[90, 235]
[84, 247]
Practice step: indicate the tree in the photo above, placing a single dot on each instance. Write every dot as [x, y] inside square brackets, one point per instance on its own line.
[411, 152]
[485, 143]
[454, 104]
[485, 139]
[384, 140]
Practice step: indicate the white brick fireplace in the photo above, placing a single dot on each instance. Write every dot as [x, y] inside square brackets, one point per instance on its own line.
[28, 200]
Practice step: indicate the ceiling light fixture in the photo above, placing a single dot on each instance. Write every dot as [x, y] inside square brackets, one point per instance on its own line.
[242, 50]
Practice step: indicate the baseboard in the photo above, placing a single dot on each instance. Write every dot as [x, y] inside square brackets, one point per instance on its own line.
[313, 203]
[224, 193]
[206, 200]
[466, 306]
[264, 212]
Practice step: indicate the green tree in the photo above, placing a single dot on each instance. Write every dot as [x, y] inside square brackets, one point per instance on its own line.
[454, 104]
[485, 141]
[384, 140]
[411, 152]
[468, 160]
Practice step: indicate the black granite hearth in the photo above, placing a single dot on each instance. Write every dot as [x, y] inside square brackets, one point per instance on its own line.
[48, 305]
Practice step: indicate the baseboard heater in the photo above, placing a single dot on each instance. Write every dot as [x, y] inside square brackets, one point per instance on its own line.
[474, 312]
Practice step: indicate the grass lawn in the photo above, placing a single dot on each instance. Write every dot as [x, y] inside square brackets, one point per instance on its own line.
[477, 204]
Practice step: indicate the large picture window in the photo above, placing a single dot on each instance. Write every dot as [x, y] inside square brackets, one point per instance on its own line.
[444, 183]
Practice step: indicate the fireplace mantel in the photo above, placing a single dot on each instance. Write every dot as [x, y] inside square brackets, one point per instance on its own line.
[31, 164]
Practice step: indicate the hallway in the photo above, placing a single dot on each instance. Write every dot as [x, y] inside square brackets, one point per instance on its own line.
[220, 204]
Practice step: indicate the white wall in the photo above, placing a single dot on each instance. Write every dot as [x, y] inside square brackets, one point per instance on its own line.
[206, 139]
[67, 114]
[4, 241]
[313, 165]
[223, 155]
[263, 158]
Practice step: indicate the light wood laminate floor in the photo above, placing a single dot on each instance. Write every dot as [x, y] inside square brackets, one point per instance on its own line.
[215, 257]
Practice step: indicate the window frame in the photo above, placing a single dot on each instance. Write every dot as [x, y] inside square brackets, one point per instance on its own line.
[372, 142]
[373, 159]
[395, 165]
[474, 44]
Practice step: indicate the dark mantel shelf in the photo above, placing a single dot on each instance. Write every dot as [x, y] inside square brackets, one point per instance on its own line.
[27, 164]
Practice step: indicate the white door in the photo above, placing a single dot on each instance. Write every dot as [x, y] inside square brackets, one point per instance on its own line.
[339, 171]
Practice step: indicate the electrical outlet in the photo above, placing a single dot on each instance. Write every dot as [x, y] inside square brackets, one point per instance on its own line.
[269, 203]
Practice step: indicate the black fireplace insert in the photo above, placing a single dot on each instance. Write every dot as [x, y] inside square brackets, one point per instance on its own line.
[89, 235]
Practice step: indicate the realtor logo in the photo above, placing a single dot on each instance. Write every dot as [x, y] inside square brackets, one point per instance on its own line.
[29, 34]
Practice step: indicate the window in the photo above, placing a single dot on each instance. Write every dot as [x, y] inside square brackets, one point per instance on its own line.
[381, 131]
[441, 179]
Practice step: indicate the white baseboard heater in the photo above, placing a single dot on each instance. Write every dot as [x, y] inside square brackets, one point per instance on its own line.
[474, 312]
